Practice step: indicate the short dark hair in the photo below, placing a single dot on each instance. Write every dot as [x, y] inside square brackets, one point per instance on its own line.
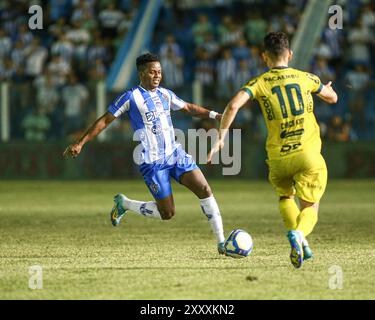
[143, 59]
[275, 43]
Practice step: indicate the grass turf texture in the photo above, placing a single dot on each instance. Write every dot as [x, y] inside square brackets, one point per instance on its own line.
[65, 228]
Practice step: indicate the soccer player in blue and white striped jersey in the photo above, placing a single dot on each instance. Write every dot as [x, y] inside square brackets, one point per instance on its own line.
[148, 107]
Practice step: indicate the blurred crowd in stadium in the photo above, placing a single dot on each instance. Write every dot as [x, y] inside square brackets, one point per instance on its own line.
[53, 72]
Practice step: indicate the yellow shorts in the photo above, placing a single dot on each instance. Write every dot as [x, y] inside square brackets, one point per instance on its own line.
[302, 174]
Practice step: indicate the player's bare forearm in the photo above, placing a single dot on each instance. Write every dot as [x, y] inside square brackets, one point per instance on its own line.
[227, 118]
[99, 125]
[230, 112]
[199, 112]
[327, 94]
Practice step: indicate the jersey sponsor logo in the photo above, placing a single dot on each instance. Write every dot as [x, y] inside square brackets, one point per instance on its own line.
[310, 102]
[292, 123]
[150, 116]
[268, 108]
[287, 148]
[281, 77]
[285, 134]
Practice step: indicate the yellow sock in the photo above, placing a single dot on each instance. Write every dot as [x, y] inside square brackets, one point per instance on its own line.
[289, 212]
[307, 220]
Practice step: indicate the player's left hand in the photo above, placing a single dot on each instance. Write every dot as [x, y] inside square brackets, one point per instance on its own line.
[218, 117]
[219, 144]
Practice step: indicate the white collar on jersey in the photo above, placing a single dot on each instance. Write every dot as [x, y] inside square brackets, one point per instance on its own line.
[146, 89]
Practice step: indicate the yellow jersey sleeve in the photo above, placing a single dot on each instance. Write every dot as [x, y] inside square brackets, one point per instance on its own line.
[314, 83]
[252, 88]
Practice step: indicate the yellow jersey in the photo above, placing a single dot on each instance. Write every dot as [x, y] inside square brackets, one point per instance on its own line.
[284, 95]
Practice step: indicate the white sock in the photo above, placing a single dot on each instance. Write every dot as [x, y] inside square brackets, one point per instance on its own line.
[211, 210]
[147, 209]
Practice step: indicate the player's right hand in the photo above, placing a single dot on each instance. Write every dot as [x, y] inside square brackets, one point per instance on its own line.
[72, 150]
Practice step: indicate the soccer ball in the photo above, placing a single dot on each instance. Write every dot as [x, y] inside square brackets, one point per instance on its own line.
[239, 244]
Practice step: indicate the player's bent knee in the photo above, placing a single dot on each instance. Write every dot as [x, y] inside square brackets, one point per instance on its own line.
[306, 204]
[205, 191]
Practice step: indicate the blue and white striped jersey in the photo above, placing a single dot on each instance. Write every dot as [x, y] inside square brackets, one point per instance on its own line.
[149, 114]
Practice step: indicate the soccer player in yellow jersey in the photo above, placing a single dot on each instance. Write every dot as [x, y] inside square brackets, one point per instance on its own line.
[296, 166]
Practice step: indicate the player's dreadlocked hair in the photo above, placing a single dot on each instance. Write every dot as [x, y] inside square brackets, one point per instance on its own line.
[144, 59]
[275, 43]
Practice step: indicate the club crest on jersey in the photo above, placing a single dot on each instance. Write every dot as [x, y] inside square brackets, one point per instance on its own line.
[150, 116]
[154, 187]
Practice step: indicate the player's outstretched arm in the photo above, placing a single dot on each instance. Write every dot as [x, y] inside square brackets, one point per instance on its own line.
[327, 94]
[200, 112]
[99, 125]
[230, 112]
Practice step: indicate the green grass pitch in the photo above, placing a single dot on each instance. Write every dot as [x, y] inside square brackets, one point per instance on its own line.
[64, 227]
